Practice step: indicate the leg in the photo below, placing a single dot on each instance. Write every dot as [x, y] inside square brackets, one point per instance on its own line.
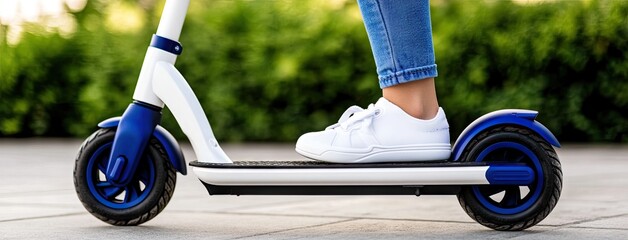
[400, 33]
[406, 124]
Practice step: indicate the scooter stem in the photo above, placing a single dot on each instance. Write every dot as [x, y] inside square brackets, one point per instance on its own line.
[139, 121]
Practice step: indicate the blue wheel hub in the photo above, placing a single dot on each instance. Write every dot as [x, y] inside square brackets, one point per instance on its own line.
[119, 197]
[510, 199]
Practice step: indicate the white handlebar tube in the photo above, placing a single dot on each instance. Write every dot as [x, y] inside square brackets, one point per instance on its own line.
[172, 19]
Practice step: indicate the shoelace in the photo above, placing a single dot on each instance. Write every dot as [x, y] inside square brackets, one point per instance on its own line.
[355, 114]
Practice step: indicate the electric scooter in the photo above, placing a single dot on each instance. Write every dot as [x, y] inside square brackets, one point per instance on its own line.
[503, 167]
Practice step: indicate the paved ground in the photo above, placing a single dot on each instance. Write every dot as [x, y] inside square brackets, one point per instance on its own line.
[37, 201]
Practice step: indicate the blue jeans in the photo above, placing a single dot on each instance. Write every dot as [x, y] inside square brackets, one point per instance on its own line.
[400, 34]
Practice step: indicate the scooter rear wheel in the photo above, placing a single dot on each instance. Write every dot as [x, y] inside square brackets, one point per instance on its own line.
[142, 199]
[508, 207]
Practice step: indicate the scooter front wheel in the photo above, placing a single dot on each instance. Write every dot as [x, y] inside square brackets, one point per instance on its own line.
[512, 207]
[142, 199]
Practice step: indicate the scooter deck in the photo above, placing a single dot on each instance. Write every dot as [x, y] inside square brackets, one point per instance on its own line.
[318, 164]
[322, 178]
[332, 190]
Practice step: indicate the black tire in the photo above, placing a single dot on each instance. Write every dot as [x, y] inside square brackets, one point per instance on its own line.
[138, 204]
[515, 211]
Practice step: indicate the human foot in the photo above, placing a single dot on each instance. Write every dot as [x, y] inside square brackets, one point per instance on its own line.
[381, 133]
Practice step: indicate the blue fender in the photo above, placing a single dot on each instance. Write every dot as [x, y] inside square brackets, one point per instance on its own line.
[170, 144]
[518, 117]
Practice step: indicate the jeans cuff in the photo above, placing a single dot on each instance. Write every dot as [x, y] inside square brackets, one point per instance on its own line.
[408, 75]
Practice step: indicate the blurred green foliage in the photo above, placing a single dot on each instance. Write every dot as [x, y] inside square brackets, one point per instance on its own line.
[272, 70]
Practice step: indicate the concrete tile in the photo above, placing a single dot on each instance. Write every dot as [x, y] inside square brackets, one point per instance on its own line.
[386, 229]
[442, 208]
[576, 233]
[618, 222]
[15, 212]
[570, 211]
[65, 198]
[168, 225]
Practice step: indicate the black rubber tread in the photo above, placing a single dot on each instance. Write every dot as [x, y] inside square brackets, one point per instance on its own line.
[552, 187]
[318, 164]
[138, 214]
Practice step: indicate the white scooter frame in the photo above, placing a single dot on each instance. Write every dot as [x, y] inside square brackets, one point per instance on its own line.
[160, 83]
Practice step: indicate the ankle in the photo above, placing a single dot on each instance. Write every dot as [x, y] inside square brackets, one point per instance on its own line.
[416, 98]
[416, 108]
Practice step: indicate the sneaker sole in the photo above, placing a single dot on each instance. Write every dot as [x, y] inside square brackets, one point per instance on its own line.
[421, 153]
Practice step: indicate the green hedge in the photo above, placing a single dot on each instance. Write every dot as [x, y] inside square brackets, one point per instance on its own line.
[566, 59]
[271, 70]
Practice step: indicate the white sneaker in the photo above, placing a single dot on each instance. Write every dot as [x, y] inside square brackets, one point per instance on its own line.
[381, 133]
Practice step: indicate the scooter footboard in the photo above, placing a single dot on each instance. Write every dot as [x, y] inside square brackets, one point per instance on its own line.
[319, 178]
[332, 190]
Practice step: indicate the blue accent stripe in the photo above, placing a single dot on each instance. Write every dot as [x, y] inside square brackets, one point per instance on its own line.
[509, 175]
[166, 44]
